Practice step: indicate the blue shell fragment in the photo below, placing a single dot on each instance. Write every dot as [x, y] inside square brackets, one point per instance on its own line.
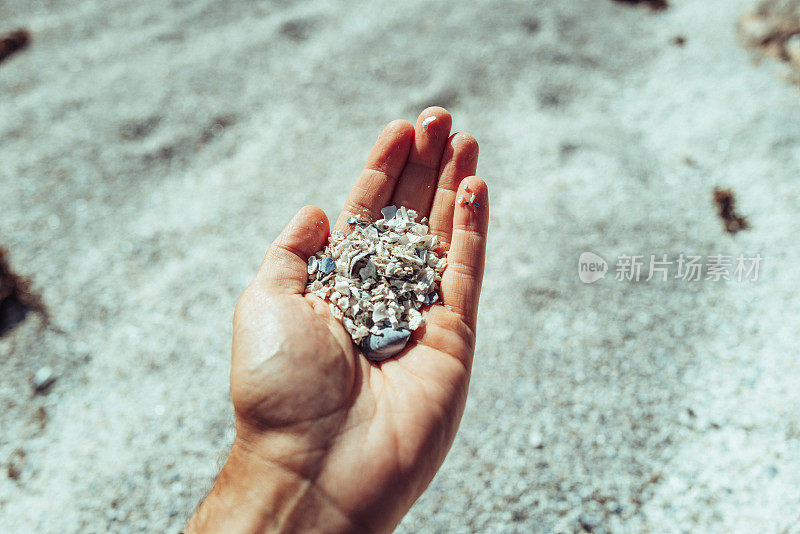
[389, 212]
[326, 265]
[389, 343]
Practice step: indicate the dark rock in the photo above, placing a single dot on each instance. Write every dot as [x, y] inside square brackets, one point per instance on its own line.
[13, 42]
[588, 522]
[726, 206]
[16, 297]
[655, 5]
[16, 463]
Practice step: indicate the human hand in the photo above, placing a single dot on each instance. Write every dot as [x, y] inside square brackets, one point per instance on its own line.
[325, 439]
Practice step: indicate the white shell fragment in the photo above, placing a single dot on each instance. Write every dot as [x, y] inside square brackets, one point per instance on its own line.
[427, 122]
[377, 278]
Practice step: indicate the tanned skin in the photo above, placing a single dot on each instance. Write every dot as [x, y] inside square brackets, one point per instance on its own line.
[327, 441]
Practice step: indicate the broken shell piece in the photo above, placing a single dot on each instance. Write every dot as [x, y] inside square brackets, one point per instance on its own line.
[358, 257]
[368, 271]
[342, 287]
[415, 319]
[371, 232]
[379, 313]
[327, 265]
[427, 122]
[385, 345]
[377, 278]
[361, 331]
[389, 212]
[430, 298]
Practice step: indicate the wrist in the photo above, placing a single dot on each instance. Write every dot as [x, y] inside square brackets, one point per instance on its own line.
[252, 494]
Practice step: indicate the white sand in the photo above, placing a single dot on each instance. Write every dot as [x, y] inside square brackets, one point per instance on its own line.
[149, 151]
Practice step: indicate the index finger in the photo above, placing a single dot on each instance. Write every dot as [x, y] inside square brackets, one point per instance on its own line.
[374, 187]
[462, 279]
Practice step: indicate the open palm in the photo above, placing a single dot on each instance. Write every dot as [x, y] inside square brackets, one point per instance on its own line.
[364, 439]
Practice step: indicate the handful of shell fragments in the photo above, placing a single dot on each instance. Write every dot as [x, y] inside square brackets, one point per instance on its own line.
[377, 278]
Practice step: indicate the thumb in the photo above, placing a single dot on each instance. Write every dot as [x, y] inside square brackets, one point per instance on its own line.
[284, 266]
